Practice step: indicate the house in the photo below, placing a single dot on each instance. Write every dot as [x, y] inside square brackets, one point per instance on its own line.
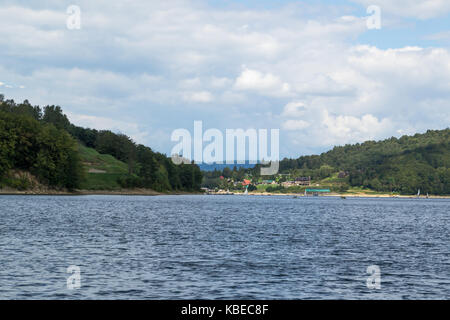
[288, 184]
[303, 181]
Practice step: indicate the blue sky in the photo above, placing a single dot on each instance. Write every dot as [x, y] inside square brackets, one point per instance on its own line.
[310, 68]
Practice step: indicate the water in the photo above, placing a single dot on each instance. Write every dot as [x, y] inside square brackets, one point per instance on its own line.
[223, 247]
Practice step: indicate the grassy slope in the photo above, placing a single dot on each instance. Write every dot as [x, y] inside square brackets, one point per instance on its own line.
[101, 181]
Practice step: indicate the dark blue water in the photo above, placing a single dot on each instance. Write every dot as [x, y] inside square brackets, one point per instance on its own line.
[223, 247]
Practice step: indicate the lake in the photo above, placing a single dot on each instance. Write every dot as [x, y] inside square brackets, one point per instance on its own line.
[223, 247]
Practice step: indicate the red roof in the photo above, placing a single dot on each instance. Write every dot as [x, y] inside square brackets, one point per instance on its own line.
[246, 182]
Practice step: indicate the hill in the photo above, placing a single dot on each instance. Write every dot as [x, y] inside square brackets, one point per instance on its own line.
[395, 165]
[39, 146]
[401, 165]
[101, 171]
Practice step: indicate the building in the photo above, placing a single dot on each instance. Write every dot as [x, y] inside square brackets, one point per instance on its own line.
[303, 181]
[269, 182]
[288, 184]
[317, 192]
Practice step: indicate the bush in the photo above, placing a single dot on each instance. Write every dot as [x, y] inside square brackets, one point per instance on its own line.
[277, 188]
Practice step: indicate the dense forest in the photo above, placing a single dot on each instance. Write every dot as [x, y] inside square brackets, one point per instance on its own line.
[403, 165]
[43, 142]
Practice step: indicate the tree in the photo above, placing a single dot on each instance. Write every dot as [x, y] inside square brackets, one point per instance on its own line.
[50, 154]
[55, 116]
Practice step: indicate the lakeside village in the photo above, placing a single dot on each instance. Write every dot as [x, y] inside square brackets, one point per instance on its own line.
[281, 183]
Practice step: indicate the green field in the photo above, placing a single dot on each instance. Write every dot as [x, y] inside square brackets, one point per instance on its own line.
[108, 168]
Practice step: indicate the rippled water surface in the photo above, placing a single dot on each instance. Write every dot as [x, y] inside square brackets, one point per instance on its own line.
[223, 247]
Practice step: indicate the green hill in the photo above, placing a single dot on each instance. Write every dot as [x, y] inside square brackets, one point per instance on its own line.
[101, 171]
[401, 165]
[395, 165]
[41, 149]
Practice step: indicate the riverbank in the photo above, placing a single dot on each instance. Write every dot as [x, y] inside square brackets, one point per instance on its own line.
[150, 192]
[121, 192]
[346, 195]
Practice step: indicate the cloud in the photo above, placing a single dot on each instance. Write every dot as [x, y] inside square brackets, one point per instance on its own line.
[163, 64]
[294, 109]
[202, 97]
[421, 9]
[294, 125]
[191, 83]
[350, 128]
[265, 83]
[390, 92]
[220, 82]
[104, 123]
[322, 128]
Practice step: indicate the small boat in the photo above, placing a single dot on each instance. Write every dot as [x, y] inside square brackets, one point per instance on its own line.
[343, 197]
[418, 194]
[246, 191]
[295, 197]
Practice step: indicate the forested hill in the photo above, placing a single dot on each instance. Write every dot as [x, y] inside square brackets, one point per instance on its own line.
[403, 165]
[41, 146]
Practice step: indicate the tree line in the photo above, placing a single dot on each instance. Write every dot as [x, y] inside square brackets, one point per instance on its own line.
[44, 142]
[402, 165]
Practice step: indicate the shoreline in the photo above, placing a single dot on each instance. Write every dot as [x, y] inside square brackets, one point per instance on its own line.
[336, 195]
[122, 192]
[150, 192]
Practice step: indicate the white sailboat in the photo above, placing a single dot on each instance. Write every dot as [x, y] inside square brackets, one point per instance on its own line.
[246, 190]
[418, 194]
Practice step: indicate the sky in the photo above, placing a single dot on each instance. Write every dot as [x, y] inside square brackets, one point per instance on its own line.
[312, 69]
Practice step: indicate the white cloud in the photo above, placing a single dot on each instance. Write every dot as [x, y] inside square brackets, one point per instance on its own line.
[160, 64]
[103, 123]
[220, 82]
[191, 83]
[352, 129]
[294, 109]
[294, 125]
[202, 97]
[322, 128]
[265, 83]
